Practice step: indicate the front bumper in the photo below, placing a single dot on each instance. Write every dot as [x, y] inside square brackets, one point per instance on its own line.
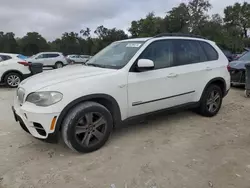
[38, 125]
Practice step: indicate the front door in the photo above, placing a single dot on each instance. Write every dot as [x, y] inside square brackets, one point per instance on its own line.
[158, 88]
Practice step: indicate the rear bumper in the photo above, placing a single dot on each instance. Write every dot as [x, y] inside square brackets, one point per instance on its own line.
[26, 75]
[237, 76]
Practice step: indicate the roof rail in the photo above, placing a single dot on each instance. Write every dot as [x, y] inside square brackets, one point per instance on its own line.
[179, 35]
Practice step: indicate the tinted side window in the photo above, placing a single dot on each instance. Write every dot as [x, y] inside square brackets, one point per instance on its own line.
[52, 55]
[41, 56]
[160, 52]
[188, 52]
[4, 57]
[210, 51]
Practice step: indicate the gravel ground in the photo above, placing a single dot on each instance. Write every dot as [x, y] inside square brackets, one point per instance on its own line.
[174, 151]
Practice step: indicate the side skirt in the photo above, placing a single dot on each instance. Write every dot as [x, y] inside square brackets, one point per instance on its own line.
[170, 110]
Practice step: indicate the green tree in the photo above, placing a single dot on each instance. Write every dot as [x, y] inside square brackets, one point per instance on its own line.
[106, 36]
[33, 43]
[8, 43]
[238, 16]
[198, 14]
[177, 19]
[146, 27]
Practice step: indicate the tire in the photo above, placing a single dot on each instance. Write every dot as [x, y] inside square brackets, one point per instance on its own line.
[58, 65]
[77, 121]
[206, 101]
[12, 79]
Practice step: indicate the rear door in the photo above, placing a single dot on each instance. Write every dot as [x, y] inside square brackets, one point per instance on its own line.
[51, 59]
[78, 59]
[190, 67]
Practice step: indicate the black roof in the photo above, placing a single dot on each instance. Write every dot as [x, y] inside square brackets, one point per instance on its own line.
[179, 35]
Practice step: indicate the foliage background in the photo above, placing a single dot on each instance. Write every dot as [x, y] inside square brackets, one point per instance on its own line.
[229, 31]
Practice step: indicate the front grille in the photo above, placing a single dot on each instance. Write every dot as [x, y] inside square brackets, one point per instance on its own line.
[20, 95]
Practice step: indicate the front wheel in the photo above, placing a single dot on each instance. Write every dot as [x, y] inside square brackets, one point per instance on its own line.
[12, 79]
[87, 127]
[211, 101]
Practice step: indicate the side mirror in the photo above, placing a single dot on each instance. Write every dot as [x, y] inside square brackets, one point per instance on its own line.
[145, 64]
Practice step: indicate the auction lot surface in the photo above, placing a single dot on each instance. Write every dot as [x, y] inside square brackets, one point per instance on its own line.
[167, 151]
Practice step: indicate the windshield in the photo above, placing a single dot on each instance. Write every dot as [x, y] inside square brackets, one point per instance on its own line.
[116, 55]
[245, 57]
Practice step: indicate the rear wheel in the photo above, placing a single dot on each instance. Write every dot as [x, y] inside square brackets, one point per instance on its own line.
[12, 79]
[87, 127]
[58, 65]
[211, 101]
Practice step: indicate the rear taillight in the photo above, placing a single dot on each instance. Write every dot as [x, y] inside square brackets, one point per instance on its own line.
[24, 63]
[228, 67]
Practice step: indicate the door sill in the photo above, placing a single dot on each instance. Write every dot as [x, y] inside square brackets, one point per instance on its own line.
[170, 110]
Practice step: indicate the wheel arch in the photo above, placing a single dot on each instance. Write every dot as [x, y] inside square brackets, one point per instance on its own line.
[59, 61]
[106, 100]
[10, 71]
[217, 81]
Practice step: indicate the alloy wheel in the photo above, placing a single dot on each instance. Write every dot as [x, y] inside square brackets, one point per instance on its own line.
[13, 80]
[213, 101]
[91, 128]
[59, 65]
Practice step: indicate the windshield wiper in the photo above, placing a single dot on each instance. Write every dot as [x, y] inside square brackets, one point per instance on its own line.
[96, 65]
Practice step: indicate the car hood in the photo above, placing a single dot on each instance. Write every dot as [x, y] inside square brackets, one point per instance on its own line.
[238, 64]
[68, 73]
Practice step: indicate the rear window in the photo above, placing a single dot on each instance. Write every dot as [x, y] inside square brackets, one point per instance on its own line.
[245, 57]
[211, 53]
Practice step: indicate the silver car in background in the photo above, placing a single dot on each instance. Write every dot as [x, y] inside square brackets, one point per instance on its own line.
[79, 59]
[49, 59]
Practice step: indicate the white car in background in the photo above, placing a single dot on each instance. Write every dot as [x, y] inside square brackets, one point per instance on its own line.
[13, 69]
[86, 57]
[78, 58]
[49, 59]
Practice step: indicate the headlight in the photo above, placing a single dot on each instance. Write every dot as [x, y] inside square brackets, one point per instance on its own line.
[44, 98]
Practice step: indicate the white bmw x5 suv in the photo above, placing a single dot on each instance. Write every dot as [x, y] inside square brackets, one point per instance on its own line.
[127, 79]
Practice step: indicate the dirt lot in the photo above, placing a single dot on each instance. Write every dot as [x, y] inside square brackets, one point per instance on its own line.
[173, 151]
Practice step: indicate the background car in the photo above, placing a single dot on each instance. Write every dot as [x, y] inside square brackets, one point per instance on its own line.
[86, 57]
[237, 68]
[49, 59]
[13, 69]
[230, 56]
[241, 54]
[78, 58]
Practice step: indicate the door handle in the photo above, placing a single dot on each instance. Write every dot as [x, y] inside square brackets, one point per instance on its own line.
[208, 68]
[172, 75]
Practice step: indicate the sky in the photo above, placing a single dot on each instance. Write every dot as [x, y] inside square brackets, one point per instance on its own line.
[53, 17]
